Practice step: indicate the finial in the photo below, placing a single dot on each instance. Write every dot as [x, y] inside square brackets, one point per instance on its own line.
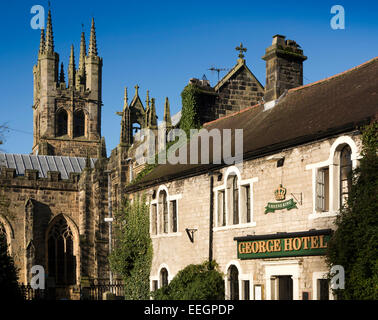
[136, 90]
[241, 49]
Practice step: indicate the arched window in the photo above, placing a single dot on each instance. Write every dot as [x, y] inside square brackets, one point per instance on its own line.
[163, 277]
[61, 123]
[233, 280]
[79, 124]
[61, 259]
[345, 173]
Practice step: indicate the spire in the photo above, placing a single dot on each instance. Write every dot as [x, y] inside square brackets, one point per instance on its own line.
[152, 119]
[61, 76]
[42, 42]
[167, 113]
[49, 35]
[92, 51]
[71, 69]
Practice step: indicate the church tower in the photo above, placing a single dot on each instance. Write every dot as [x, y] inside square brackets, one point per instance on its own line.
[67, 115]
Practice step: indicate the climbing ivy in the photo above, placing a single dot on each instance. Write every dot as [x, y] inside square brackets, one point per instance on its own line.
[354, 244]
[191, 97]
[132, 256]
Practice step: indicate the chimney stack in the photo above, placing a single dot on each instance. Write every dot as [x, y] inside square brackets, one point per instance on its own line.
[284, 67]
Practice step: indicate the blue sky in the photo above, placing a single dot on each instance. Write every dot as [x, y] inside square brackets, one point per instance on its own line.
[160, 45]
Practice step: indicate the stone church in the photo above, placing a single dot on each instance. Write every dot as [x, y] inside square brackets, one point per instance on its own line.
[299, 144]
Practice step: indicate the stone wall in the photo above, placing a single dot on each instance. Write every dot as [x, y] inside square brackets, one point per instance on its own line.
[174, 251]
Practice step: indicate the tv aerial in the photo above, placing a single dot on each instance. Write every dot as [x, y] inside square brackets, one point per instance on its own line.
[217, 70]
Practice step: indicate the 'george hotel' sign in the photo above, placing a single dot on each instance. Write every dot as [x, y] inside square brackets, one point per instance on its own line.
[308, 243]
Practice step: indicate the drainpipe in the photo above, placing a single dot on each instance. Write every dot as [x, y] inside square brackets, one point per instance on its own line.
[109, 219]
[211, 215]
[211, 218]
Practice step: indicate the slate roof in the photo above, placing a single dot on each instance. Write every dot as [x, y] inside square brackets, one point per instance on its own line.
[65, 165]
[315, 111]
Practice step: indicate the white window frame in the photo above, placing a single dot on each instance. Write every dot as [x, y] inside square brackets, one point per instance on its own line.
[334, 172]
[241, 277]
[175, 197]
[231, 171]
[282, 268]
[156, 277]
[315, 277]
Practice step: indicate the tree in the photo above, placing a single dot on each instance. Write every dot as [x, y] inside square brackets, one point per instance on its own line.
[194, 282]
[9, 288]
[132, 255]
[354, 244]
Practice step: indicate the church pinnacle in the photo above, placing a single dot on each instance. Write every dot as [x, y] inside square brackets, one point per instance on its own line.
[92, 51]
[42, 42]
[125, 104]
[82, 54]
[49, 35]
[71, 69]
[167, 113]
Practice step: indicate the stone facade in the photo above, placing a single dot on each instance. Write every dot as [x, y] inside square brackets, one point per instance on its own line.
[174, 250]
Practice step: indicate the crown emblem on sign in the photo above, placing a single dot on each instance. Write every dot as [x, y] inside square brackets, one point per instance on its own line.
[280, 193]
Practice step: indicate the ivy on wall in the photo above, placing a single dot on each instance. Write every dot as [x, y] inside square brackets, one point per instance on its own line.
[354, 244]
[131, 257]
[190, 119]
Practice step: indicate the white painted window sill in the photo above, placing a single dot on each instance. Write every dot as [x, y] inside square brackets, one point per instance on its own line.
[235, 226]
[166, 235]
[318, 215]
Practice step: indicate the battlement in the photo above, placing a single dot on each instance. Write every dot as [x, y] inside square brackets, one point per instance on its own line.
[33, 175]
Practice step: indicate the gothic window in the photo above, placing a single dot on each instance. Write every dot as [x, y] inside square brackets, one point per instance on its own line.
[61, 123]
[79, 124]
[345, 173]
[163, 277]
[61, 259]
[233, 280]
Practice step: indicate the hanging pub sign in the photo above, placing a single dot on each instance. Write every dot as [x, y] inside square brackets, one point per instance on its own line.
[307, 243]
[280, 194]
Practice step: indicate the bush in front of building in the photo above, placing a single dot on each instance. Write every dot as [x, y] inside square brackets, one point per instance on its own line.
[132, 256]
[354, 244]
[9, 288]
[194, 282]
